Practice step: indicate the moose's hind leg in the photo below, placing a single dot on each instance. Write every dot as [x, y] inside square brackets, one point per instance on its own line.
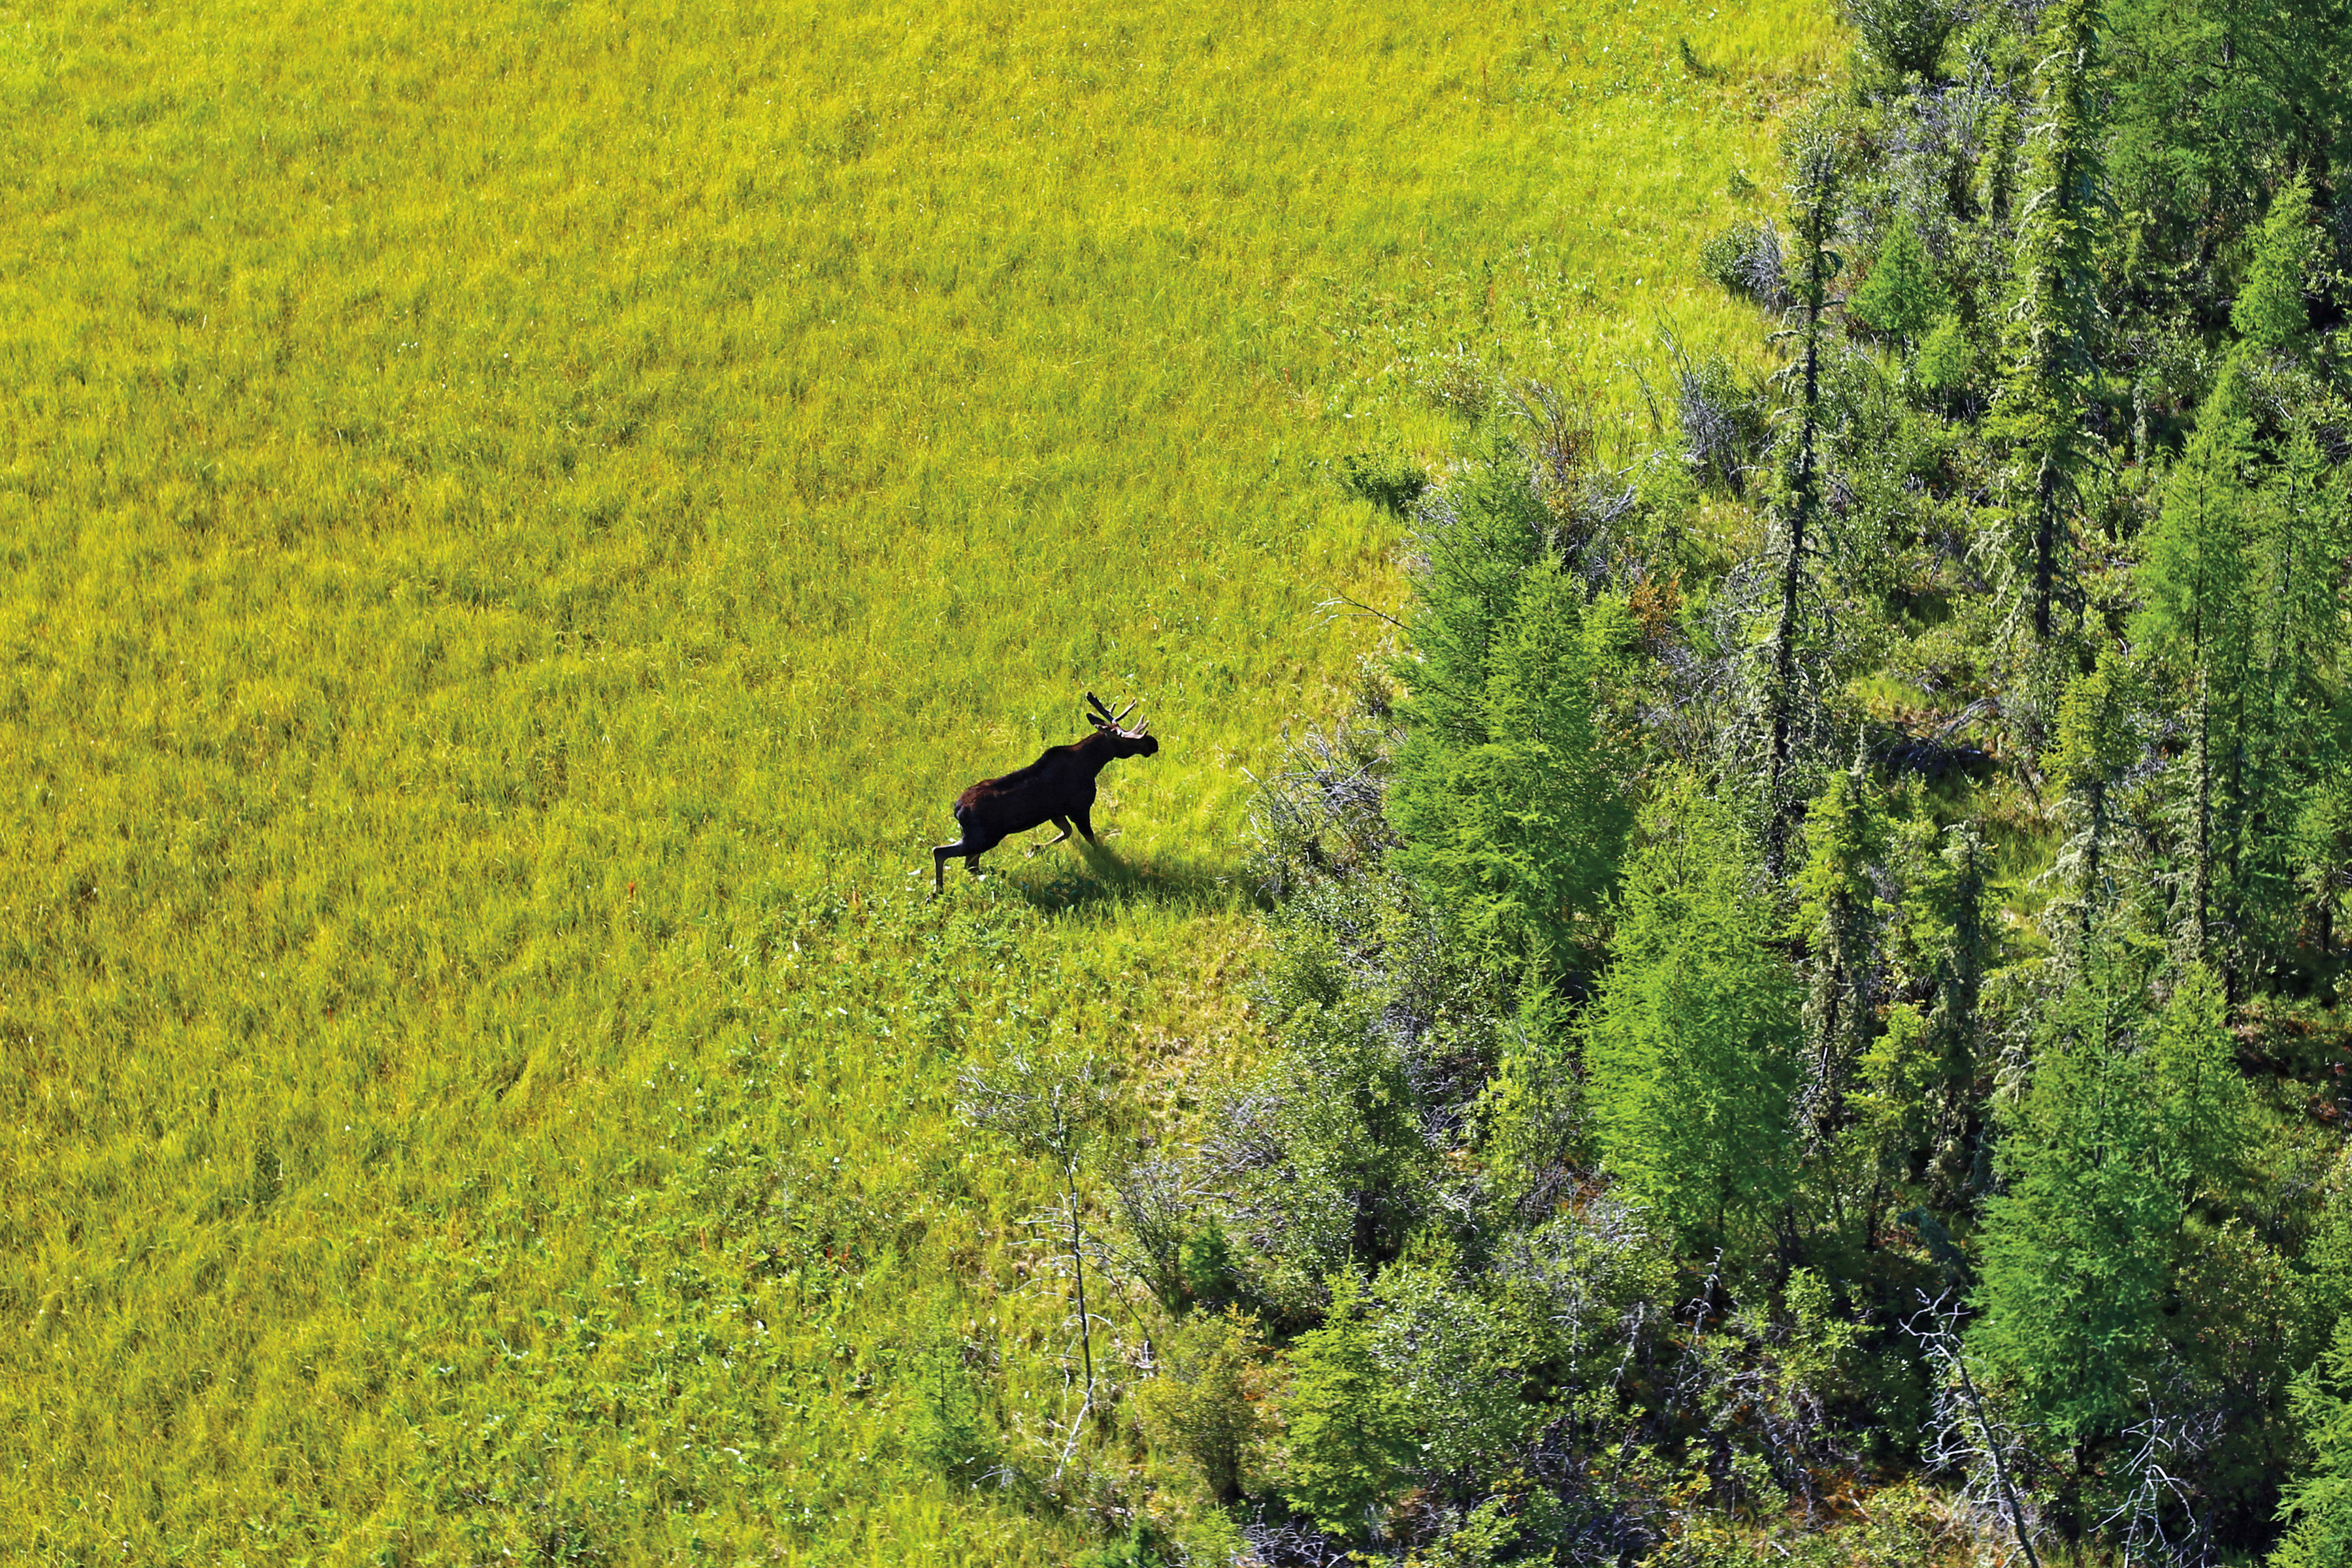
[972, 847]
[1064, 824]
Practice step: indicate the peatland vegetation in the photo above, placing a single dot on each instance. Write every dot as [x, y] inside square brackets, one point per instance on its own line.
[1733, 956]
[516, 520]
[1805, 996]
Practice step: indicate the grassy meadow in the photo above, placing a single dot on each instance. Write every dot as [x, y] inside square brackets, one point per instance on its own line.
[515, 521]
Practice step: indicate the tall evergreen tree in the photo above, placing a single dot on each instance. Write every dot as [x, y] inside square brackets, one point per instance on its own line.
[2288, 739]
[1838, 918]
[2317, 1504]
[1950, 930]
[2132, 1123]
[2039, 412]
[1691, 1046]
[1348, 1429]
[2095, 744]
[1813, 192]
[2197, 618]
[1513, 813]
[2270, 313]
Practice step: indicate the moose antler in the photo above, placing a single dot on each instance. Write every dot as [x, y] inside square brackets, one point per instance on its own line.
[1103, 719]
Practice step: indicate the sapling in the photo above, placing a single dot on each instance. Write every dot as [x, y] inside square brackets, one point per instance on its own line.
[1048, 1106]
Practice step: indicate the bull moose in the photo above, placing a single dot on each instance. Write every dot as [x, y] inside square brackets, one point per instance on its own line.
[1059, 787]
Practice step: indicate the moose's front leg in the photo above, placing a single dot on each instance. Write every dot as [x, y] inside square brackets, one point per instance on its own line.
[1084, 817]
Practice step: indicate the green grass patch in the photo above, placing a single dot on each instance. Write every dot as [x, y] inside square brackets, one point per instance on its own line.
[514, 524]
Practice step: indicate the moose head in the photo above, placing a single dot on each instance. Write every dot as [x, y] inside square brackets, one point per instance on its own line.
[1135, 742]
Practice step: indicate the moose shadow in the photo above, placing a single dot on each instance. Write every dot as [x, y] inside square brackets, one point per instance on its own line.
[1101, 878]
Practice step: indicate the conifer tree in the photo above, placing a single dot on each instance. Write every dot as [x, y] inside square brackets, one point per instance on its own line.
[1838, 918]
[2194, 584]
[2270, 313]
[1506, 789]
[1518, 831]
[2317, 1505]
[1949, 931]
[2288, 739]
[1814, 193]
[2039, 411]
[1347, 1429]
[2131, 1124]
[1691, 1045]
[1901, 297]
[2095, 744]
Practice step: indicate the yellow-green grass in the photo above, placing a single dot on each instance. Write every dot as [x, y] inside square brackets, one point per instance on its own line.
[515, 521]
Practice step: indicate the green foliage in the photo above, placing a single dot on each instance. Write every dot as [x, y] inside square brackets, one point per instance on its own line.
[514, 523]
[2193, 580]
[2133, 1125]
[1390, 482]
[1209, 1405]
[1947, 363]
[1506, 789]
[1347, 1427]
[1838, 916]
[1207, 1262]
[1947, 942]
[1901, 297]
[2095, 740]
[1347, 1172]
[1770, 1380]
[2316, 1506]
[1745, 258]
[473, 668]
[1459, 1360]
[953, 1430]
[1903, 36]
[1533, 1110]
[2047, 337]
[1895, 1104]
[1722, 421]
[2270, 312]
[1692, 1042]
[1140, 1547]
[2217, 110]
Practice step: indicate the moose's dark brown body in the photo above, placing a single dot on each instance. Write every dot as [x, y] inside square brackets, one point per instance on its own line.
[1059, 787]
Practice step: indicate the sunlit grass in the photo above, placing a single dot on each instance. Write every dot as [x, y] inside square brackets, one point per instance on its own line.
[513, 526]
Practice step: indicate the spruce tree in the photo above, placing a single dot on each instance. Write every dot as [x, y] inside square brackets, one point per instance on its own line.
[1838, 919]
[2038, 415]
[2316, 1506]
[1691, 1045]
[1507, 787]
[1949, 932]
[2134, 1122]
[2095, 742]
[1513, 815]
[1900, 298]
[2197, 618]
[2270, 313]
[1813, 193]
[1348, 1428]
